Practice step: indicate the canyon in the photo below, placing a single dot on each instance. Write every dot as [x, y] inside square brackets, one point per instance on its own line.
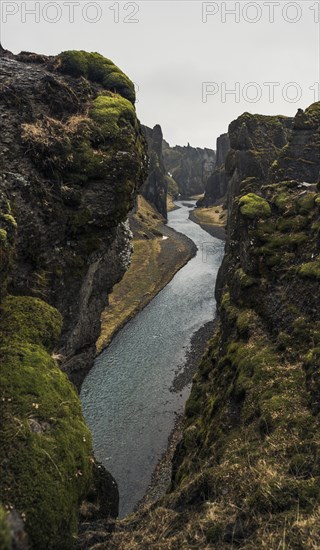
[246, 470]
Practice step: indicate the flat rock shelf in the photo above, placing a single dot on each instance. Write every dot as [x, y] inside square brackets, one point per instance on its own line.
[130, 399]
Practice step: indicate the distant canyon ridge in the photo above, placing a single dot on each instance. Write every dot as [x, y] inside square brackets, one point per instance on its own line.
[179, 170]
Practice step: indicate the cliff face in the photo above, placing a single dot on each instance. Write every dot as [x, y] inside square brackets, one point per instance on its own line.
[71, 160]
[247, 472]
[72, 157]
[189, 166]
[155, 187]
[248, 150]
[217, 183]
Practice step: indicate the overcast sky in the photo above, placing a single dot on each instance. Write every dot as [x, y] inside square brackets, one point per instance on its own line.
[171, 48]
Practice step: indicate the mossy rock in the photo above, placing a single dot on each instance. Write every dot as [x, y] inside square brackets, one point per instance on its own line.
[3, 237]
[112, 113]
[306, 203]
[310, 270]
[5, 538]
[253, 207]
[96, 68]
[246, 281]
[45, 446]
[292, 224]
[246, 320]
[279, 242]
[30, 320]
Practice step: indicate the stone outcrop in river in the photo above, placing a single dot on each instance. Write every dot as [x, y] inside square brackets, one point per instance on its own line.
[247, 472]
[72, 157]
[190, 167]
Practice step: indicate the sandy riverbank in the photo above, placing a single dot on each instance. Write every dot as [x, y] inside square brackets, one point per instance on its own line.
[212, 220]
[159, 252]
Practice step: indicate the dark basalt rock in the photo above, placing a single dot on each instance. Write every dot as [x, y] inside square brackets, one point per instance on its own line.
[72, 158]
[70, 169]
[155, 187]
[217, 184]
[189, 166]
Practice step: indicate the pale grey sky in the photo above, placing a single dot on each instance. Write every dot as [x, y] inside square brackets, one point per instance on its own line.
[169, 49]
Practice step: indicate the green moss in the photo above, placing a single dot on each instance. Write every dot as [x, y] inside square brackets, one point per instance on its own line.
[44, 441]
[306, 204]
[9, 220]
[193, 405]
[292, 224]
[111, 112]
[5, 538]
[316, 226]
[283, 200]
[225, 301]
[30, 320]
[246, 320]
[3, 237]
[96, 68]
[252, 206]
[310, 270]
[280, 241]
[246, 281]
[312, 357]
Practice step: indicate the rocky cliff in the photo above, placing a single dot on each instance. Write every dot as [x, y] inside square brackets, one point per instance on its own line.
[72, 157]
[155, 187]
[217, 183]
[247, 472]
[190, 167]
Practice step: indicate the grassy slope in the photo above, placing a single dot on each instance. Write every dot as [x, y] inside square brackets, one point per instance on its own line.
[45, 446]
[214, 215]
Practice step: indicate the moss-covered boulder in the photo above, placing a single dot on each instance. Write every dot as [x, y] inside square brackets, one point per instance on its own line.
[96, 68]
[45, 446]
[252, 206]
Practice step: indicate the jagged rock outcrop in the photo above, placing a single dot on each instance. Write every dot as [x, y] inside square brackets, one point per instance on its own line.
[155, 187]
[190, 167]
[217, 183]
[72, 157]
[255, 144]
[247, 472]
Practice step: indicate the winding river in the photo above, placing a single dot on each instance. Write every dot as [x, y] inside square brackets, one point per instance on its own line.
[128, 399]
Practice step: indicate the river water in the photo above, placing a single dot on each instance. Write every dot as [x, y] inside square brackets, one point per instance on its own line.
[128, 400]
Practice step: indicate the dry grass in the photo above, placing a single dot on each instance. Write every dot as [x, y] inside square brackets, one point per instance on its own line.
[154, 263]
[170, 204]
[134, 291]
[214, 215]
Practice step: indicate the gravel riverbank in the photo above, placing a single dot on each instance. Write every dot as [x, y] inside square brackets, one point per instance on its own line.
[162, 474]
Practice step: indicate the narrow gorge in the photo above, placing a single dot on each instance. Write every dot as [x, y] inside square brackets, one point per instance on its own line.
[175, 291]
